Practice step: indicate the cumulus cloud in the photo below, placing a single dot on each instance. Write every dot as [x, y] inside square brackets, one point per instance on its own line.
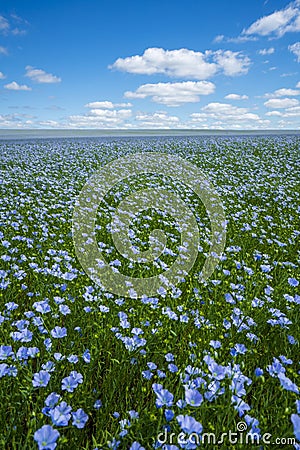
[173, 94]
[107, 105]
[100, 118]
[274, 25]
[110, 115]
[286, 92]
[104, 105]
[2, 76]
[291, 112]
[117, 119]
[232, 63]
[175, 63]
[14, 86]
[273, 114]
[159, 119]
[236, 97]
[278, 23]
[224, 115]
[225, 111]
[40, 76]
[184, 63]
[295, 48]
[52, 124]
[266, 51]
[16, 121]
[278, 103]
[282, 92]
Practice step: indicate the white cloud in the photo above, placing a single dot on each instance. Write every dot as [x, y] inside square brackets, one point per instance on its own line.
[298, 84]
[225, 111]
[173, 94]
[117, 120]
[110, 115]
[295, 48]
[236, 40]
[236, 97]
[40, 76]
[107, 105]
[184, 63]
[15, 121]
[104, 105]
[18, 32]
[286, 92]
[159, 119]
[3, 50]
[122, 105]
[293, 111]
[14, 86]
[278, 23]
[287, 124]
[224, 115]
[175, 63]
[9, 26]
[219, 38]
[100, 118]
[232, 63]
[274, 113]
[4, 25]
[266, 51]
[288, 74]
[2, 76]
[51, 124]
[283, 92]
[278, 103]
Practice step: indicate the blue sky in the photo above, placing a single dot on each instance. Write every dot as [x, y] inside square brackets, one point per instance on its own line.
[159, 64]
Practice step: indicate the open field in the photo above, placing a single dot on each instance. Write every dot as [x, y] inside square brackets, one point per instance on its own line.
[106, 371]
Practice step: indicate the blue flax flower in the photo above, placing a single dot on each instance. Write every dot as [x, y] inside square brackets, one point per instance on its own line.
[97, 404]
[3, 369]
[41, 379]
[295, 418]
[287, 384]
[59, 332]
[164, 398]
[50, 402]
[46, 437]
[60, 415]
[79, 418]
[71, 382]
[169, 414]
[5, 351]
[189, 425]
[136, 446]
[293, 282]
[258, 372]
[240, 406]
[193, 397]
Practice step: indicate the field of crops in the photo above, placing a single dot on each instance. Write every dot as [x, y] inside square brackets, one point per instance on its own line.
[216, 363]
